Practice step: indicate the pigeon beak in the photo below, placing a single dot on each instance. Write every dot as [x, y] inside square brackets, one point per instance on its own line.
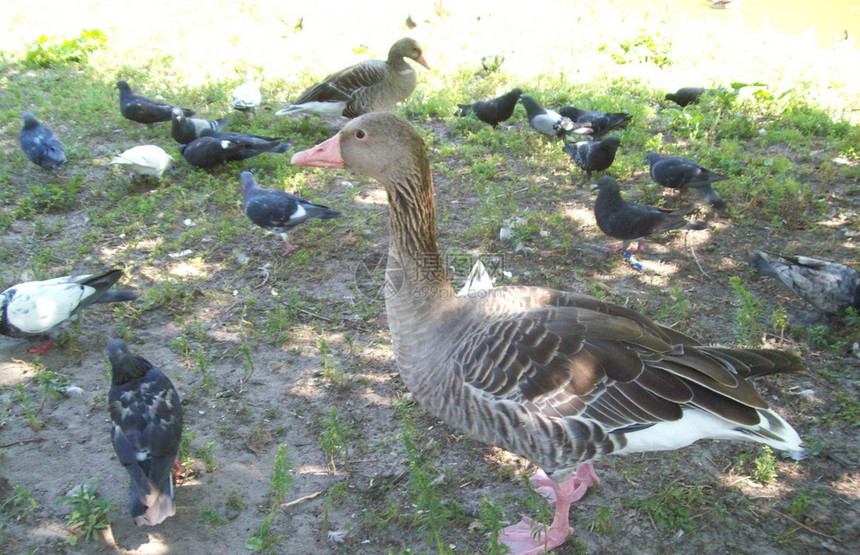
[420, 59]
[594, 187]
[324, 155]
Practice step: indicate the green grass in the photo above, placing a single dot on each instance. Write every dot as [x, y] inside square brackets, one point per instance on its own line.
[90, 513]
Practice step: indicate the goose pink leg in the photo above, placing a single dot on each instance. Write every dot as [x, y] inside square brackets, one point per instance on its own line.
[530, 538]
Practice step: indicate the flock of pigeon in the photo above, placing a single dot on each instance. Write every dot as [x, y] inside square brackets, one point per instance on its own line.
[145, 409]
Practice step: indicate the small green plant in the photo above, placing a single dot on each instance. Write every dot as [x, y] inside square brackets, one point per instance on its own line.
[779, 321]
[762, 466]
[674, 508]
[799, 505]
[604, 521]
[747, 329]
[490, 523]
[90, 513]
[208, 458]
[282, 479]
[54, 51]
[18, 504]
[336, 437]
[331, 368]
[212, 517]
[49, 197]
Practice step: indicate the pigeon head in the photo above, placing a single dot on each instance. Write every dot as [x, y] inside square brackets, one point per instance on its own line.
[248, 181]
[30, 120]
[652, 157]
[124, 365]
[607, 183]
[123, 86]
[531, 105]
[611, 142]
[177, 114]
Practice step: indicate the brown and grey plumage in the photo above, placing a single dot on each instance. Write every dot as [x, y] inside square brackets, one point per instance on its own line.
[676, 172]
[493, 111]
[630, 221]
[600, 122]
[593, 156]
[559, 378]
[686, 95]
[369, 86]
[828, 286]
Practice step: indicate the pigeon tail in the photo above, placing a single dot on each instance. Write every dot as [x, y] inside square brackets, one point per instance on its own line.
[321, 212]
[120, 296]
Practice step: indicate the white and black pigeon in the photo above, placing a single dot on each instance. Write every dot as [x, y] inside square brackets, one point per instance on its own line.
[141, 109]
[210, 150]
[600, 122]
[33, 308]
[146, 426]
[630, 221]
[247, 97]
[144, 160]
[278, 211]
[828, 286]
[547, 122]
[40, 145]
[594, 156]
[184, 129]
[680, 173]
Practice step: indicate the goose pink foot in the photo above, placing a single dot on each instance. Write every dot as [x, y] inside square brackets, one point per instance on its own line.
[530, 538]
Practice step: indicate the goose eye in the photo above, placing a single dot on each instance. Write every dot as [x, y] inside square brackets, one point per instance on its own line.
[360, 134]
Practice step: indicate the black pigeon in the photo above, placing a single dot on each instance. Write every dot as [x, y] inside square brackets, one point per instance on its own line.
[33, 308]
[185, 129]
[492, 111]
[141, 109]
[210, 150]
[146, 425]
[676, 172]
[686, 95]
[594, 156]
[40, 145]
[828, 286]
[600, 122]
[630, 221]
[551, 124]
[278, 211]
[278, 146]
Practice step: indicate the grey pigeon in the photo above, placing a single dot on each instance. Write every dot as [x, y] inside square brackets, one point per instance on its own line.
[278, 211]
[492, 111]
[630, 221]
[547, 122]
[40, 145]
[594, 156]
[141, 109]
[209, 151]
[828, 286]
[146, 426]
[33, 308]
[185, 129]
[686, 95]
[676, 172]
[600, 122]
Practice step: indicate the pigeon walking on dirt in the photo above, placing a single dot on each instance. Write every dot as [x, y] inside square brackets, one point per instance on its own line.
[676, 172]
[144, 160]
[209, 151]
[141, 109]
[594, 156]
[492, 111]
[828, 286]
[40, 145]
[277, 211]
[630, 221]
[33, 308]
[247, 96]
[548, 122]
[686, 95]
[146, 426]
[600, 122]
[184, 129]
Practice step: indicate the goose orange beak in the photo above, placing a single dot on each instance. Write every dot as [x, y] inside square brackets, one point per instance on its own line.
[420, 59]
[324, 155]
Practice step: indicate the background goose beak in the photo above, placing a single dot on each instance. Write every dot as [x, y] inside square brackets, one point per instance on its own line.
[324, 155]
[422, 61]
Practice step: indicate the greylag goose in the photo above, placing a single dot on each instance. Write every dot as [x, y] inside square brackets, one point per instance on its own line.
[593, 156]
[33, 308]
[40, 145]
[141, 109]
[559, 378]
[144, 160]
[630, 221]
[675, 172]
[369, 86]
[146, 425]
[828, 286]
[493, 111]
[600, 122]
[277, 211]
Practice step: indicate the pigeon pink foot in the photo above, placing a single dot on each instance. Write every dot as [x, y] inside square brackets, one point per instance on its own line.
[43, 347]
[530, 538]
